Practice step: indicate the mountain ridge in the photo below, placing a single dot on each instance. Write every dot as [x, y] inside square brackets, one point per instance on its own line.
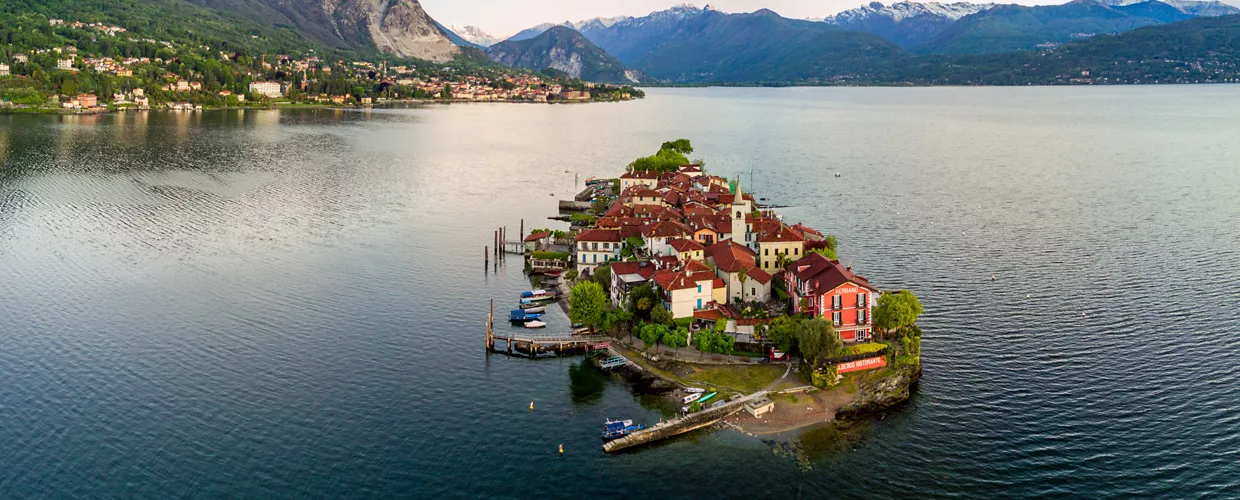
[562, 49]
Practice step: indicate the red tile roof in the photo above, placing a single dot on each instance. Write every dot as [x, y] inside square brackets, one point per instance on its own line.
[684, 245]
[694, 266]
[666, 229]
[537, 236]
[610, 235]
[823, 275]
[781, 235]
[757, 274]
[732, 257]
[640, 174]
[644, 269]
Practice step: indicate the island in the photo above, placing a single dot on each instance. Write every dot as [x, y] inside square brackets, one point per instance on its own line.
[685, 285]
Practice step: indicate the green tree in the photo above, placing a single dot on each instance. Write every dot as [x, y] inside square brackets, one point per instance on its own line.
[677, 338]
[816, 339]
[653, 334]
[602, 276]
[642, 301]
[681, 146]
[587, 304]
[782, 332]
[660, 315]
[896, 311]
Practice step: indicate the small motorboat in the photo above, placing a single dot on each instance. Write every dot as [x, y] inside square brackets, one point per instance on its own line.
[691, 398]
[695, 390]
[619, 428]
[535, 324]
[536, 295]
[520, 315]
[533, 309]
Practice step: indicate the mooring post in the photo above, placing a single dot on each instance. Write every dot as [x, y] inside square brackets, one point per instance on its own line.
[496, 242]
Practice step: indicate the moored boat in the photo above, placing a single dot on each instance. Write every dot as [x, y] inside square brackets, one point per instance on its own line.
[535, 324]
[691, 398]
[619, 428]
[695, 390]
[519, 315]
[533, 309]
[534, 295]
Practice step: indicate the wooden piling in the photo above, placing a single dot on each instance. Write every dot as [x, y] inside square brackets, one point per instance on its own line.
[486, 255]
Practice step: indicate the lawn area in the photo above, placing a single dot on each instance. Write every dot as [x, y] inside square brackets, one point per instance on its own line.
[746, 379]
[866, 348]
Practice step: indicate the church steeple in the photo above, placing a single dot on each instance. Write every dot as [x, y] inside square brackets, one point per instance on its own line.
[740, 208]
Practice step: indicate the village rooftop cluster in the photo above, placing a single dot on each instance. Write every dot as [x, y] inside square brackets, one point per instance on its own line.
[712, 253]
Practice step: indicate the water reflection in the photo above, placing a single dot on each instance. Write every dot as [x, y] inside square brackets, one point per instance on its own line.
[586, 382]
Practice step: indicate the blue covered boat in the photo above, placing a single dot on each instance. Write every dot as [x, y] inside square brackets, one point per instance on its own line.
[619, 428]
[521, 316]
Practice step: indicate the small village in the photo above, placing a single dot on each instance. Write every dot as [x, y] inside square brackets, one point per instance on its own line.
[691, 287]
[156, 74]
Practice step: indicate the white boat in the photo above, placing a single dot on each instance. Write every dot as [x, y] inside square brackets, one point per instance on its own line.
[691, 398]
[695, 390]
[535, 310]
[535, 324]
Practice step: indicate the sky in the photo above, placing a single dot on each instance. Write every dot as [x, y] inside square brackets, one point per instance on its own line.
[503, 18]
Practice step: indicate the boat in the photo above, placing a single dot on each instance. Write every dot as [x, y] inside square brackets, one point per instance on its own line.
[706, 397]
[519, 315]
[535, 324]
[695, 390]
[533, 309]
[619, 428]
[690, 398]
[535, 296]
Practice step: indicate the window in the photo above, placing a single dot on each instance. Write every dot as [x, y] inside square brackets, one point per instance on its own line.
[835, 318]
[836, 302]
[594, 246]
[699, 291]
[767, 252]
[861, 300]
[796, 251]
[861, 317]
[699, 302]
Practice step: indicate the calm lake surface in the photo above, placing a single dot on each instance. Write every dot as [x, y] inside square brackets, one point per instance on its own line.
[290, 304]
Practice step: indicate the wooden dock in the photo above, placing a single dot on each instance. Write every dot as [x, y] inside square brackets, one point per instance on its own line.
[676, 427]
[525, 343]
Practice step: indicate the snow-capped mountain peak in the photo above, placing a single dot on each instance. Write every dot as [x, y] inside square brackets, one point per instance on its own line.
[900, 11]
[474, 35]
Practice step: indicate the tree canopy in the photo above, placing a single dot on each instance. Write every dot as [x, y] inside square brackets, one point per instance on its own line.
[669, 158]
[816, 339]
[587, 304]
[660, 315]
[896, 311]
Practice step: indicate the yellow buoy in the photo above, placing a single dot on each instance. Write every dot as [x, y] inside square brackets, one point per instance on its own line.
[561, 449]
[531, 405]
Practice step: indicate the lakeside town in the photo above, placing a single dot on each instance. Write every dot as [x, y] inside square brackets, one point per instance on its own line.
[690, 287]
[95, 67]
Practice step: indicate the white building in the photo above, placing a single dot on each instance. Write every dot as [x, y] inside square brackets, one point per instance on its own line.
[266, 89]
[4, 70]
[596, 247]
[65, 64]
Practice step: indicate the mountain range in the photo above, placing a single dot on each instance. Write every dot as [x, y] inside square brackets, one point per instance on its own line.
[906, 42]
[562, 49]
[397, 27]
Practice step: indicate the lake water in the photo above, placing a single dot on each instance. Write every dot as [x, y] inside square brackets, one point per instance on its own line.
[290, 304]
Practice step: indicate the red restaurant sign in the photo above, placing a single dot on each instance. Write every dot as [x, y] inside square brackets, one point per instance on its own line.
[863, 364]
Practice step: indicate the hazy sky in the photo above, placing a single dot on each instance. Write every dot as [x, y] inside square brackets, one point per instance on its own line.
[502, 18]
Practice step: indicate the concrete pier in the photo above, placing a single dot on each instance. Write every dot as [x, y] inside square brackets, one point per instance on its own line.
[680, 425]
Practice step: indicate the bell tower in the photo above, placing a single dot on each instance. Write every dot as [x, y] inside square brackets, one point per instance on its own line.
[740, 208]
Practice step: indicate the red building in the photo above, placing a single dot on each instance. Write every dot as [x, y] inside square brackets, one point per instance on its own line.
[833, 292]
